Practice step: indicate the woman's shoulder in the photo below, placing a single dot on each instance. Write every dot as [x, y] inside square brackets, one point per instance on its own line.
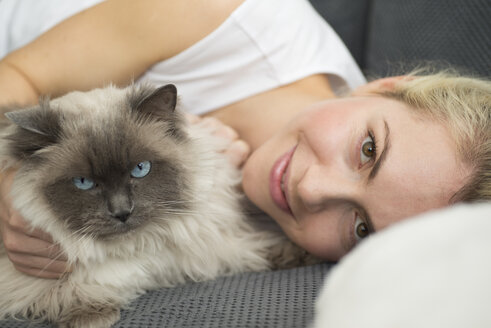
[297, 41]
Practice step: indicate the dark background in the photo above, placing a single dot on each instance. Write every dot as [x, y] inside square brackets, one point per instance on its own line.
[390, 37]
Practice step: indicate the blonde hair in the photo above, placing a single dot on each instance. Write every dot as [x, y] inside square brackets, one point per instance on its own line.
[463, 104]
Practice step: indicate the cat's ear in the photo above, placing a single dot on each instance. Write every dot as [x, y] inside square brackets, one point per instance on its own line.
[38, 127]
[161, 103]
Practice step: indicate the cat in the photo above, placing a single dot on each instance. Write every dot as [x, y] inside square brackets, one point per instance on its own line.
[136, 197]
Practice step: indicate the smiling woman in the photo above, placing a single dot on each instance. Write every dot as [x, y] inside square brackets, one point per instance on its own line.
[348, 167]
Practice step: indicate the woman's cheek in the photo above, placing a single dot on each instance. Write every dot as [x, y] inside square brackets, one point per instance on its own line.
[323, 237]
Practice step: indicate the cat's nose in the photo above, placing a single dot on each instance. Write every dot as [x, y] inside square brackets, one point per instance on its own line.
[120, 206]
[122, 215]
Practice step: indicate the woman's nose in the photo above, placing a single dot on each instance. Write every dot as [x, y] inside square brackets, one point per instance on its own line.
[321, 185]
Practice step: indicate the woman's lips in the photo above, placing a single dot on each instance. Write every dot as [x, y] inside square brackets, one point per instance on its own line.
[277, 178]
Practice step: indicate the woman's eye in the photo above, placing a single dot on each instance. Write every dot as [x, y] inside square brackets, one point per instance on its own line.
[83, 183]
[368, 150]
[360, 229]
[141, 169]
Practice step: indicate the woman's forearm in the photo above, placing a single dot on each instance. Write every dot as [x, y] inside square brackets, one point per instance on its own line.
[112, 42]
[87, 50]
[15, 86]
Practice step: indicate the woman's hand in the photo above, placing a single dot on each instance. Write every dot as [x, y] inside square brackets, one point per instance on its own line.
[31, 251]
[237, 149]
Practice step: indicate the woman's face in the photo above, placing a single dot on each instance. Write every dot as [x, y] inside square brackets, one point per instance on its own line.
[348, 167]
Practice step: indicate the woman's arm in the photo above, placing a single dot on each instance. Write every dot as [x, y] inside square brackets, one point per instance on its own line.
[113, 42]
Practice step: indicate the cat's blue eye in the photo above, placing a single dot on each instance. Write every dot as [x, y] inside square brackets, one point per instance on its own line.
[83, 183]
[141, 169]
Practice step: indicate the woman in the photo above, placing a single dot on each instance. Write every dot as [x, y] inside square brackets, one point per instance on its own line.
[329, 171]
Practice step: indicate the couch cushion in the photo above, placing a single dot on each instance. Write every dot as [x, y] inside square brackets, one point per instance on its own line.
[402, 34]
[280, 299]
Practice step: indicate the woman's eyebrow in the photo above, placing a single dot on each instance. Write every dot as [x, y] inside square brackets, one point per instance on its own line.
[383, 155]
[368, 220]
[371, 227]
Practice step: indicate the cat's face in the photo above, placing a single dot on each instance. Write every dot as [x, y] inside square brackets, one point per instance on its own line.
[106, 175]
[114, 185]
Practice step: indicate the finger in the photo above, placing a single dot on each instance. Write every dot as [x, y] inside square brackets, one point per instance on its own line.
[218, 129]
[210, 122]
[238, 152]
[39, 273]
[191, 118]
[16, 242]
[5, 199]
[226, 132]
[216, 126]
[16, 222]
[40, 234]
[7, 179]
[39, 263]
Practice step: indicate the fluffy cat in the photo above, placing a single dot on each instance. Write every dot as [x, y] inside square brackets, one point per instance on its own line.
[137, 198]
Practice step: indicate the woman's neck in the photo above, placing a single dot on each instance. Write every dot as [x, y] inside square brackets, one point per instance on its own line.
[258, 118]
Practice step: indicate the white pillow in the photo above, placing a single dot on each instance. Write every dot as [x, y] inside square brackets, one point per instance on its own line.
[430, 271]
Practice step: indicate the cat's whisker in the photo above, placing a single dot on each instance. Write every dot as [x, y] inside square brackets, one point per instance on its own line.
[79, 236]
[184, 211]
[57, 257]
[166, 211]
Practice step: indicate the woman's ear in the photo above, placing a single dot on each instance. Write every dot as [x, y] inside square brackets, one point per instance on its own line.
[380, 85]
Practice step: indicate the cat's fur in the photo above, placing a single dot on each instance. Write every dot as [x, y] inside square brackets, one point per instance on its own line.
[185, 222]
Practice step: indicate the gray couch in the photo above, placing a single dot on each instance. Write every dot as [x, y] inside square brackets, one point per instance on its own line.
[390, 37]
[386, 37]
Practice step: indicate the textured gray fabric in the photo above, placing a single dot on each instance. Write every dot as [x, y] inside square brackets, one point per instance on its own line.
[454, 33]
[261, 299]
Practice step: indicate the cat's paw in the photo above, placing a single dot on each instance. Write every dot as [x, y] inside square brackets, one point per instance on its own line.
[104, 318]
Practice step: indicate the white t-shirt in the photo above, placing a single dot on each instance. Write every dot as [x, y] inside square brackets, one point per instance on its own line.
[264, 44]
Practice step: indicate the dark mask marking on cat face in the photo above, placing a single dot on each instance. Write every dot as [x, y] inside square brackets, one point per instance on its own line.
[37, 128]
[120, 203]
